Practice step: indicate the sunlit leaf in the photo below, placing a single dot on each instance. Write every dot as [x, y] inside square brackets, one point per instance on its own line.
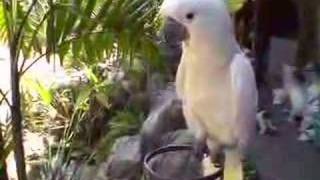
[83, 96]
[87, 14]
[61, 14]
[103, 99]
[235, 5]
[100, 15]
[92, 77]
[46, 94]
[3, 33]
[63, 50]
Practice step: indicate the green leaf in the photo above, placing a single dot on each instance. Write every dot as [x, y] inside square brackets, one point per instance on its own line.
[3, 29]
[89, 49]
[62, 11]
[83, 96]
[72, 19]
[76, 49]
[92, 77]
[50, 31]
[101, 14]
[125, 122]
[46, 94]
[35, 38]
[63, 50]
[103, 99]
[235, 5]
[87, 13]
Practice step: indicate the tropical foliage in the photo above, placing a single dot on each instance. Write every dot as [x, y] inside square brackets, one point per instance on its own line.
[87, 30]
[80, 34]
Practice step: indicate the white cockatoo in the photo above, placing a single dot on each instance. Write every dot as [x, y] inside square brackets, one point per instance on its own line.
[214, 80]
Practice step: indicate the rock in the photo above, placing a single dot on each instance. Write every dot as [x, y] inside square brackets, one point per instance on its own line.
[140, 101]
[179, 137]
[156, 82]
[93, 172]
[164, 126]
[34, 145]
[125, 159]
[35, 168]
[165, 116]
[177, 165]
[115, 75]
[171, 46]
[119, 99]
[172, 54]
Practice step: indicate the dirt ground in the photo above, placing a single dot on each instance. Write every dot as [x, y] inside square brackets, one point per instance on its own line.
[282, 157]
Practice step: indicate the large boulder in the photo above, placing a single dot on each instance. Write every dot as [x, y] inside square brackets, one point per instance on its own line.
[124, 162]
[165, 116]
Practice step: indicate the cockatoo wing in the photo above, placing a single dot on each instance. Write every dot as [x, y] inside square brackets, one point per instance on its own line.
[245, 98]
[180, 78]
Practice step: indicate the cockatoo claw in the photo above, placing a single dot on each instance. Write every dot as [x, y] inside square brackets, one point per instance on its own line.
[200, 148]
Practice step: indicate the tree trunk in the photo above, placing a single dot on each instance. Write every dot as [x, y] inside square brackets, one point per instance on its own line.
[3, 166]
[309, 34]
[17, 115]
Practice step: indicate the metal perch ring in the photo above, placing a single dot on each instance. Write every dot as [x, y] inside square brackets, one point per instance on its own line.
[152, 175]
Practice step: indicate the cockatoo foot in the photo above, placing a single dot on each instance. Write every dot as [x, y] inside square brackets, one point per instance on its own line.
[200, 148]
[216, 153]
[217, 160]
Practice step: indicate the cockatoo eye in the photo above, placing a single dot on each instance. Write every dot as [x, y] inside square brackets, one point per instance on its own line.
[190, 16]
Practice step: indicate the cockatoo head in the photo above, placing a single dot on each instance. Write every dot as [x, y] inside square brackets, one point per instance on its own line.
[199, 20]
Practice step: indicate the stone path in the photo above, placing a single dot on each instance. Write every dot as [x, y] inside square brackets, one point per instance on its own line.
[282, 157]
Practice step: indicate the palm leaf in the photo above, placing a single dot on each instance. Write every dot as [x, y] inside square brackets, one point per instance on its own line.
[3, 30]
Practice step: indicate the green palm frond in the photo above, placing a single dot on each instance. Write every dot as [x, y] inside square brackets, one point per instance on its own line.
[3, 32]
[87, 31]
[95, 27]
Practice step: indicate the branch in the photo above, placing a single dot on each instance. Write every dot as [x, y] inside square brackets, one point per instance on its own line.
[22, 72]
[4, 98]
[35, 61]
[48, 52]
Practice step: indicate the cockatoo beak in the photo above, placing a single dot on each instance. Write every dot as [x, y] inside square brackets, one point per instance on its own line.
[173, 31]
